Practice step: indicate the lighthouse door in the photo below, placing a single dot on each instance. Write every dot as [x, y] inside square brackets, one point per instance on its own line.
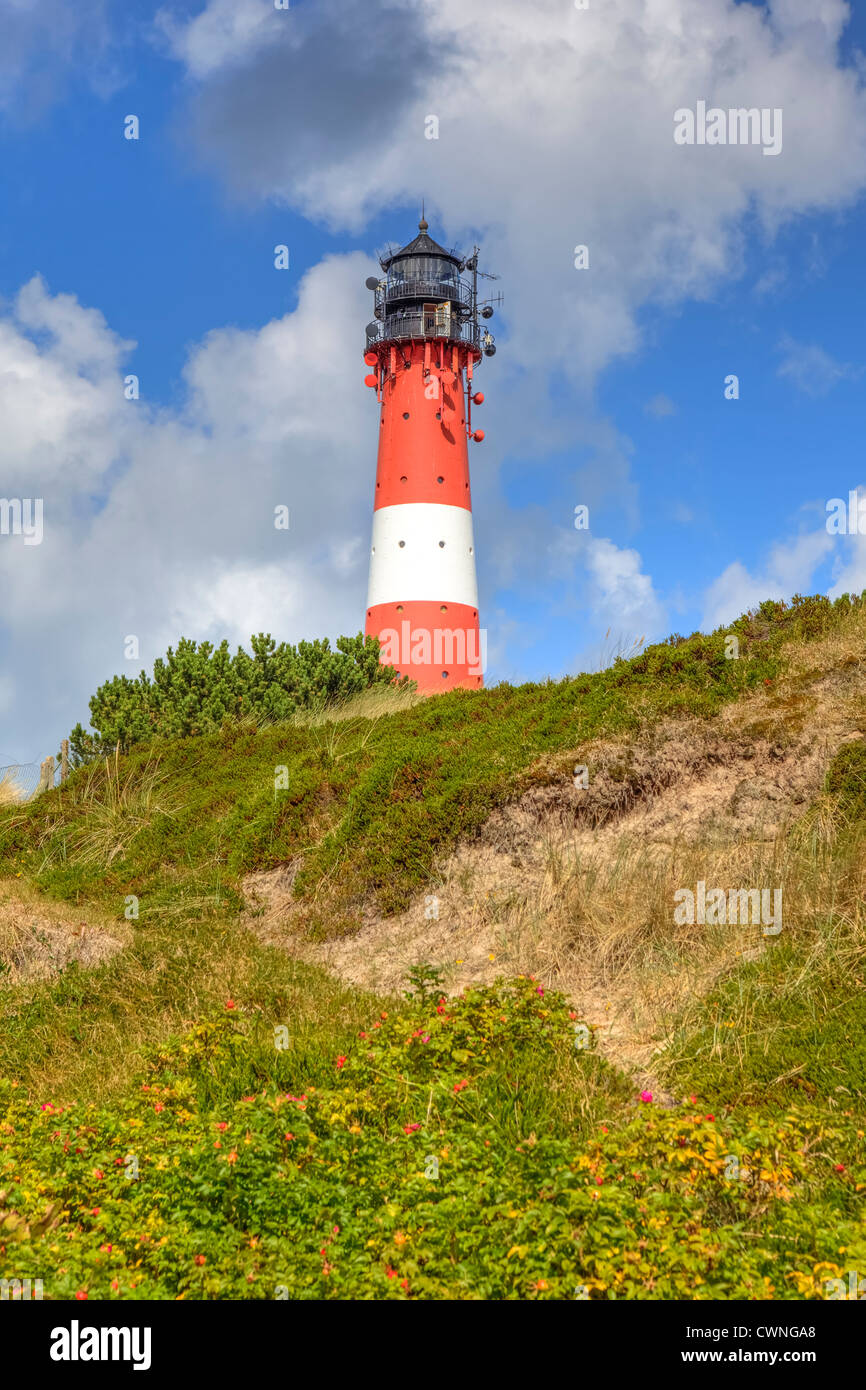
[429, 320]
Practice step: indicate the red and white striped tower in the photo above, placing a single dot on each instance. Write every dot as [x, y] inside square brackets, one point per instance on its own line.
[422, 346]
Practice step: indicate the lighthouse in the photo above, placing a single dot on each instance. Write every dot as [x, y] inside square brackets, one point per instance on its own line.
[424, 341]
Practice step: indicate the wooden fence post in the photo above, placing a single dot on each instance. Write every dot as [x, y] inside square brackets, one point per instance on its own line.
[64, 760]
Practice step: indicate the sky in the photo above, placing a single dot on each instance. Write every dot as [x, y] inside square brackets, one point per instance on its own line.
[309, 127]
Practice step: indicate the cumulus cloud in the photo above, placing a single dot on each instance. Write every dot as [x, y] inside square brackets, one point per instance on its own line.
[282, 94]
[555, 130]
[789, 569]
[621, 586]
[58, 395]
[159, 523]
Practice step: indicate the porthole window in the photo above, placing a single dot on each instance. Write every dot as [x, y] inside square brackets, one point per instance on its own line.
[441, 545]
[401, 544]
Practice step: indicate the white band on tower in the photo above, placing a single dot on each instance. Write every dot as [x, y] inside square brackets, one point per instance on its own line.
[422, 550]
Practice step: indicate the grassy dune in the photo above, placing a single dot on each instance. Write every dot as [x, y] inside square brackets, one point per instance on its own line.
[207, 1115]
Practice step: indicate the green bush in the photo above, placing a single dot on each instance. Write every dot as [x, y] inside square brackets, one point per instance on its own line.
[198, 686]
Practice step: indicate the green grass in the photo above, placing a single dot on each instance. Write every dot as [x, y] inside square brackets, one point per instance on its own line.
[794, 1041]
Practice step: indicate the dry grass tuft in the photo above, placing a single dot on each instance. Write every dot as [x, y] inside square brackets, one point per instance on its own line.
[372, 703]
[118, 806]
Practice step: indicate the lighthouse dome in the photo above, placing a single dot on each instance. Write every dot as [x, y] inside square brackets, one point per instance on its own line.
[421, 245]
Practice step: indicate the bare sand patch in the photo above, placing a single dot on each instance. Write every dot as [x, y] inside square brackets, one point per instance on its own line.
[40, 938]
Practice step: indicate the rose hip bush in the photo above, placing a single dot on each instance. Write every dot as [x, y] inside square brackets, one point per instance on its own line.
[409, 1175]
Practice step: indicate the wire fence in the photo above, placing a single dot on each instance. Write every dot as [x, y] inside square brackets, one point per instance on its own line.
[22, 781]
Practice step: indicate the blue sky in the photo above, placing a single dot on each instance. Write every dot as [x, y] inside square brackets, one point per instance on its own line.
[608, 387]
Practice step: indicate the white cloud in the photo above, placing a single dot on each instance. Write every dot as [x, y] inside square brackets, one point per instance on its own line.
[849, 576]
[183, 540]
[812, 370]
[621, 589]
[58, 396]
[223, 34]
[789, 569]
